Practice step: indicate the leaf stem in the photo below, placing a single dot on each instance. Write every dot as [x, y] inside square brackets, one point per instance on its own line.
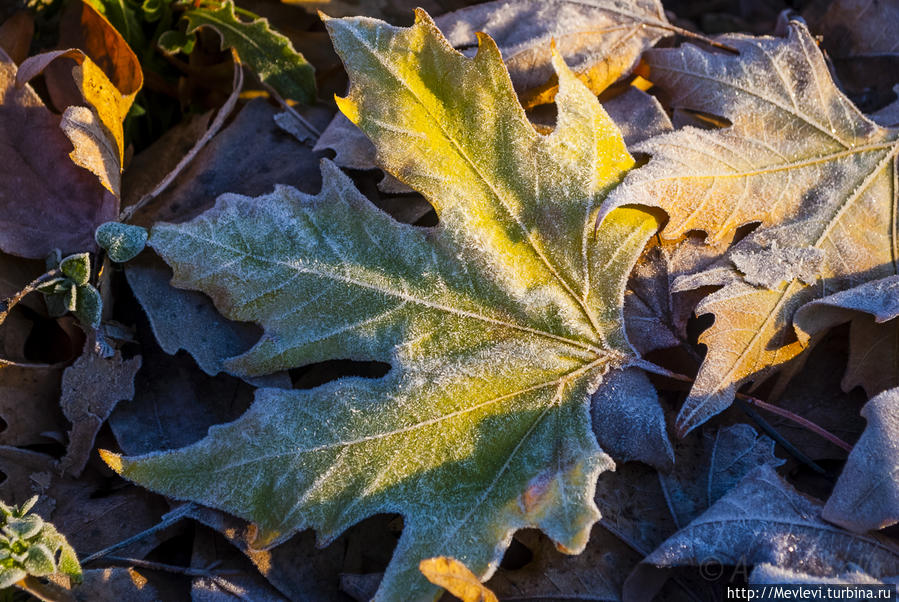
[169, 568]
[128, 212]
[753, 401]
[7, 304]
[168, 520]
[764, 405]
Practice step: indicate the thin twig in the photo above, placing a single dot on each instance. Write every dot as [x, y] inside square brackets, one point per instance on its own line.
[772, 432]
[168, 520]
[753, 401]
[7, 304]
[696, 36]
[763, 405]
[293, 112]
[128, 212]
[169, 568]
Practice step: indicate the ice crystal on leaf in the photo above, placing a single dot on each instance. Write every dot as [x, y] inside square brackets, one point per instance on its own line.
[499, 323]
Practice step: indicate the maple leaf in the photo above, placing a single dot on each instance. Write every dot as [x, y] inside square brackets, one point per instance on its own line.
[800, 159]
[498, 323]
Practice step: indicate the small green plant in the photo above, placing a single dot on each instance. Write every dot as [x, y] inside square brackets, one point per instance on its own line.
[32, 547]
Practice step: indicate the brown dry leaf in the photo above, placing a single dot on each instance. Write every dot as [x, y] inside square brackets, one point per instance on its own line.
[800, 159]
[451, 574]
[600, 40]
[107, 76]
[247, 157]
[86, 510]
[763, 519]
[872, 309]
[46, 200]
[15, 35]
[29, 402]
[866, 496]
[859, 36]
[91, 388]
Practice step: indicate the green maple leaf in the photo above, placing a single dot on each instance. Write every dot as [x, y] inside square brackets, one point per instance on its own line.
[498, 323]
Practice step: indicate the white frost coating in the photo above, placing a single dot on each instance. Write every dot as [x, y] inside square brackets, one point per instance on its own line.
[769, 265]
[866, 496]
[768, 574]
[498, 324]
[709, 465]
[628, 421]
[764, 520]
[800, 159]
[585, 32]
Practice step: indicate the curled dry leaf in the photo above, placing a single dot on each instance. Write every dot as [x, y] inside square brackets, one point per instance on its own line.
[514, 272]
[871, 309]
[764, 520]
[39, 212]
[798, 158]
[451, 574]
[866, 496]
[107, 76]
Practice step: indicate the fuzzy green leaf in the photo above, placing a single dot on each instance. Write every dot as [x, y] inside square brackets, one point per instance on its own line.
[123, 242]
[498, 324]
[265, 51]
[77, 267]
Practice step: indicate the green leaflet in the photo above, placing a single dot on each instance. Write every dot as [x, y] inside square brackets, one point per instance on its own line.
[498, 323]
[265, 51]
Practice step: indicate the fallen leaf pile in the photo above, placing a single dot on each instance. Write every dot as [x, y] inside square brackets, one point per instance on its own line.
[496, 300]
